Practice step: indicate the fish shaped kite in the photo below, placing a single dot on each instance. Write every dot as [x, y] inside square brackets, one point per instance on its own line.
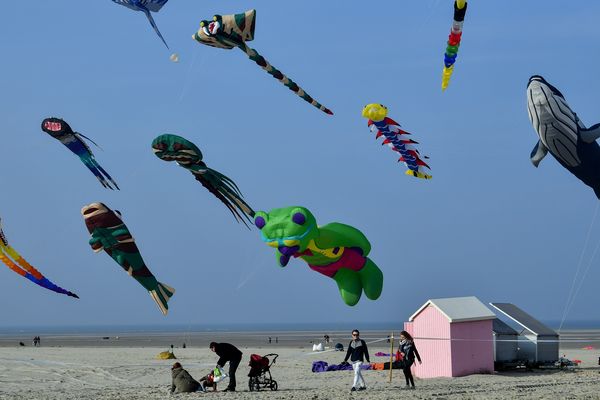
[234, 30]
[336, 250]
[175, 148]
[18, 264]
[146, 6]
[562, 134]
[59, 129]
[380, 123]
[110, 234]
[460, 8]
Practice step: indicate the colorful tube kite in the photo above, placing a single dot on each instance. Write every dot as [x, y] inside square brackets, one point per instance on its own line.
[460, 8]
[110, 234]
[188, 155]
[18, 264]
[146, 6]
[561, 132]
[60, 130]
[234, 30]
[379, 122]
[335, 250]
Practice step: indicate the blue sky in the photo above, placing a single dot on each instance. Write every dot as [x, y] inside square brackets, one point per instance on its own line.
[488, 224]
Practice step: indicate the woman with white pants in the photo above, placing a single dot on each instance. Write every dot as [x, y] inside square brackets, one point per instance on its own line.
[357, 352]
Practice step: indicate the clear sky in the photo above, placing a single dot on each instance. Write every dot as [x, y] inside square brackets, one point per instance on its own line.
[488, 224]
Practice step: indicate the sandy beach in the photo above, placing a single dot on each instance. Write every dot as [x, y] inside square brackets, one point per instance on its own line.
[74, 367]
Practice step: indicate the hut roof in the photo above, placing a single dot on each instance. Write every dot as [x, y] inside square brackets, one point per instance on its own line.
[459, 309]
[525, 320]
[502, 328]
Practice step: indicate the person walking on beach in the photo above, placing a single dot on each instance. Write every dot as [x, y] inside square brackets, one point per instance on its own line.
[408, 351]
[357, 352]
[227, 352]
[182, 381]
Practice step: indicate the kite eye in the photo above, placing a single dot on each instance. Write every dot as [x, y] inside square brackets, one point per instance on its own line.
[215, 18]
[299, 218]
[260, 222]
[203, 24]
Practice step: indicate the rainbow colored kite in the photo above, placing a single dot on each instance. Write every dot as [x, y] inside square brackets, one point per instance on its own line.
[460, 8]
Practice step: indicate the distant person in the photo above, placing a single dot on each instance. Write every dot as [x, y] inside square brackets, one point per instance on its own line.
[276, 339]
[357, 352]
[39, 341]
[34, 342]
[227, 352]
[208, 381]
[326, 337]
[269, 339]
[182, 381]
[183, 346]
[408, 351]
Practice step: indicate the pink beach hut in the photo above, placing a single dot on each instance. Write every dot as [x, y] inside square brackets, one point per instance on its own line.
[453, 337]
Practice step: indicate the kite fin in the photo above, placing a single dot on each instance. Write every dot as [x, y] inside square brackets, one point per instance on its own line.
[591, 134]
[418, 174]
[538, 153]
[275, 73]
[161, 296]
[151, 20]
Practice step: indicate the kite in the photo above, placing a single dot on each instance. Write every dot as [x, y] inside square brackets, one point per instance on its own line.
[562, 133]
[188, 155]
[110, 234]
[380, 123]
[460, 8]
[18, 264]
[146, 6]
[234, 30]
[335, 250]
[59, 129]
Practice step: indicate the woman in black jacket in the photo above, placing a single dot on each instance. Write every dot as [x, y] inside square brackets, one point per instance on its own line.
[357, 352]
[408, 350]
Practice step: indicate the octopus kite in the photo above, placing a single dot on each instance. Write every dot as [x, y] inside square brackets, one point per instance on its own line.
[395, 139]
[59, 129]
[18, 264]
[234, 30]
[110, 234]
[146, 6]
[188, 155]
[460, 8]
[335, 250]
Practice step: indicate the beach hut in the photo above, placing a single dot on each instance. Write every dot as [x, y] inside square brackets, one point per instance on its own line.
[538, 344]
[505, 344]
[453, 336]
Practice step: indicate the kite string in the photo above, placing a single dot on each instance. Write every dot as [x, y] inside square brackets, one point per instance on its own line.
[188, 74]
[571, 295]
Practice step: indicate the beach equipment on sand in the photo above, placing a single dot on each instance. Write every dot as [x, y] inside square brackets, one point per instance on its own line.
[339, 347]
[260, 372]
[318, 347]
[109, 233]
[166, 355]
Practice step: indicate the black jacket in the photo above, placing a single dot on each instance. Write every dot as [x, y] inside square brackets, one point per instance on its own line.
[227, 352]
[410, 351]
[357, 351]
[183, 382]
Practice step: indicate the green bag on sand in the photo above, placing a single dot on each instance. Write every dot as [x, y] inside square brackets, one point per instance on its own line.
[219, 375]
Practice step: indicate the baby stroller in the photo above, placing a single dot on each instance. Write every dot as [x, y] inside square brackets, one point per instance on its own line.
[260, 372]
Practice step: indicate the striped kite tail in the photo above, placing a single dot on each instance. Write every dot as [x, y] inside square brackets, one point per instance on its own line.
[9, 263]
[23, 263]
[275, 73]
[460, 8]
[161, 295]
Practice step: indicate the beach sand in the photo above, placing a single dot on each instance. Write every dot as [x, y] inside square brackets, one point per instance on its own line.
[116, 370]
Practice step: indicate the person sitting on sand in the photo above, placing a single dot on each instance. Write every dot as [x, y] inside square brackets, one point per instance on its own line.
[357, 352]
[208, 381]
[182, 380]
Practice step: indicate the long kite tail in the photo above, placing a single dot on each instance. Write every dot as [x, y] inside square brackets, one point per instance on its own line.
[460, 8]
[274, 72]
[29, 271]
[151, 20]
[105, 179]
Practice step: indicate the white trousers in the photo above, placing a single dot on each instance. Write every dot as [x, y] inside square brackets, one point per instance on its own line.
[358, 378]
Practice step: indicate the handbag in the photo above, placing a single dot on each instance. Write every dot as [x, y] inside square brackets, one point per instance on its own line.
[219, 375]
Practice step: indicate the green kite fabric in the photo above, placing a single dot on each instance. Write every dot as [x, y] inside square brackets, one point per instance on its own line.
[175, 148]
[335, 250]
[234, 30]
[110, 234]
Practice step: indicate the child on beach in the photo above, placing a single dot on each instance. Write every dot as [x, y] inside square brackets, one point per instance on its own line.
[208, 381]
[357, 352]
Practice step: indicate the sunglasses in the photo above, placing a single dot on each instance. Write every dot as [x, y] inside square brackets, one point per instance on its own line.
[355, 334]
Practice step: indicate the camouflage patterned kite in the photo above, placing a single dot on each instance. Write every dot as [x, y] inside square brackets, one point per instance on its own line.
[188, 155]
[59, 129]
[234, 30]
[18, 264]
[110, 234]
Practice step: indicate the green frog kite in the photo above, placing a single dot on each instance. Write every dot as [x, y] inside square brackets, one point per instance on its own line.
[336, 250]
